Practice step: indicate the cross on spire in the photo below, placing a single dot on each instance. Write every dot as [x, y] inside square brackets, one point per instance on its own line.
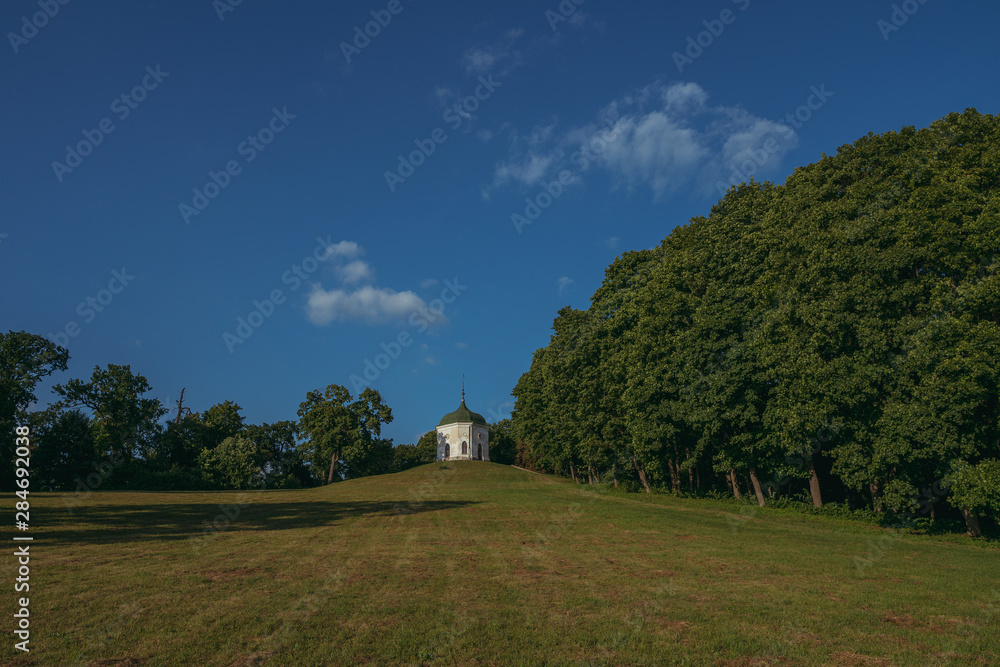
[463, 387]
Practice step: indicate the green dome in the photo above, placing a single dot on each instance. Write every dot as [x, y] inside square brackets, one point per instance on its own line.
[463, 414]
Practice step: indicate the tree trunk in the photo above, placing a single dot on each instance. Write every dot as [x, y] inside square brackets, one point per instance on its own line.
[642, 476]
[590, 473]
[675, 478]
[873, 489]
[814, 485]
[736, 485]
[572, 471]
[333, 462]
[756, 487]
[614, 473]
[972, 523]
[697, 476]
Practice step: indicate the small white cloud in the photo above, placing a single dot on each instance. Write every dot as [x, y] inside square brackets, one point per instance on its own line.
[355, 272]
[427, 283]
[369, 305]
[565, 282]
[431, 361]
[344, 250]
[461, 345]
[612, 242]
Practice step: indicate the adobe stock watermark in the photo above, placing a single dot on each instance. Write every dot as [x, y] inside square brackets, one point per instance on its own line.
[564, 12]
[89, 308]
[553, 190]
[223, 7]
[294, 277]
[453, 116]
[31, 26]
[899, 17]
[748, 162]
[421, 319]
[249, 149]
[122, 107]
[703, 40]
[381, 18]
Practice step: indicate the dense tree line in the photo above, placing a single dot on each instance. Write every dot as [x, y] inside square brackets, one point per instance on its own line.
[836, 338]
[106, 433]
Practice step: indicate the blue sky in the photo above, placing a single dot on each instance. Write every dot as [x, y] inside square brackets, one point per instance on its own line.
[382, 187]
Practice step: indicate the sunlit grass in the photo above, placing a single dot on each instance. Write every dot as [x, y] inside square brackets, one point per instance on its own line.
[478, 563]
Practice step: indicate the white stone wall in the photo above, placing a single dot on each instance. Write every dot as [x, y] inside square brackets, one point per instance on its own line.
[451, 436]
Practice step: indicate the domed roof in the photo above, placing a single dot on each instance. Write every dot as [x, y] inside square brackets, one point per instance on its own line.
[463, 414]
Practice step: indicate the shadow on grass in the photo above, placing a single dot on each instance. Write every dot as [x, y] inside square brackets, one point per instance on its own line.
[180, 521]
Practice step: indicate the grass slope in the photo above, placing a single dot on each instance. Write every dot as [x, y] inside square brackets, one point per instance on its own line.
[477, 563]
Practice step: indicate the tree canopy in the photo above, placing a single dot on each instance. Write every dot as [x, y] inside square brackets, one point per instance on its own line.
[835, 336]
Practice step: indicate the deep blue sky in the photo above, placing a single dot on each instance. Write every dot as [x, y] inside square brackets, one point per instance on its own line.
[678, 134]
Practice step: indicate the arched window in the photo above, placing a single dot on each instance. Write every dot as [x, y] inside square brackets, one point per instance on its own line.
[465, 448]
[480, 457]
[447, 451]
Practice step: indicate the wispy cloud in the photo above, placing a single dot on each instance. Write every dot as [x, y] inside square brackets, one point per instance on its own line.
[501, 55]
[664, 137]
[564, 283]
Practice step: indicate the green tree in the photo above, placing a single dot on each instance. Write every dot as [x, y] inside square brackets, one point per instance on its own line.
[342, 431]
[282, 463]
[65, 449]
[25, 359]
[503, 444]
[221, 421]
[975, 489]
[406, 456]
[126, 422]
[233, 464]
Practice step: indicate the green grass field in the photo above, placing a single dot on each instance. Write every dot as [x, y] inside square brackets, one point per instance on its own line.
[481, 564]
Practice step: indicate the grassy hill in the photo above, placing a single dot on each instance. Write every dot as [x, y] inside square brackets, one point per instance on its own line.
[477, 563]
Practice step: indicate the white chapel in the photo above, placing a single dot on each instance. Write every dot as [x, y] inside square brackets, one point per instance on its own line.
[463, 435]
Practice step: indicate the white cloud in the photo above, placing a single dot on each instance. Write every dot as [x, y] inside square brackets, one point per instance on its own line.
[428, 282]
[355, 272]
[344, 249]
[612, 242]
[665, 137]
[370, 305]
[565, 282]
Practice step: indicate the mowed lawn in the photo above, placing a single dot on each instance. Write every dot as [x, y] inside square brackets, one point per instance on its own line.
[476, 563]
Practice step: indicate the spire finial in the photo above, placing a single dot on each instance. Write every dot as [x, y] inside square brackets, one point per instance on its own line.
[463, 387]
